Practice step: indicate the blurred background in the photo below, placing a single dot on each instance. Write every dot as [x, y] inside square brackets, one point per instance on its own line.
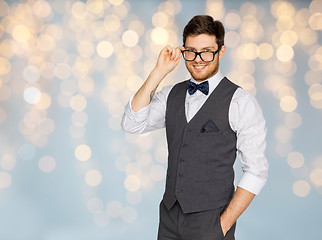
[68, 68]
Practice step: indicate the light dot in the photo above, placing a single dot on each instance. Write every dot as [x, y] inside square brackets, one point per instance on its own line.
[285, 91]
[232, 20]
[83, 152]
[250, 51]
[295, 159]
[116, 2]
[312, 77]
[93, 178]
[288, 104]
[104, 49]
[160, 19]
[283, 133]
[129, 215]
[5, 180]
[76, 131]
[78, 103]
[4, 8]
[308, 36]
[85, 49]
[133, 169]
[157, 172]
[86, 85]
[265, 51]
[134, 197]
[159, 36]
[130, 38]
[247, 82]
[316, 177]
[31, 74]
[79, 118]
[47, 164]
[316, 6]
[68, 87]
[315, 21]
[42, 8]
[161, 155]
[45, 42]
[315, 93]
[144, 159]
[44, 102]
[302, 17]
[46, 126]
[8, 162]
[79, 10]
[114, 209]
[21, 33]
[284, 23]
[301, 188]
[293, 120]
[63, 71]
[95, 205]
[112, 23]
[32, 95]
[284, 53]
[132, 183]
[289, 38]
[232, 39]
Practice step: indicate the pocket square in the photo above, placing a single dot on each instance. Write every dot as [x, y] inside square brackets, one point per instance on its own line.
[210, 126]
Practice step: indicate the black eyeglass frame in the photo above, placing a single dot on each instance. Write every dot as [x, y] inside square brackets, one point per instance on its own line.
[199, 54]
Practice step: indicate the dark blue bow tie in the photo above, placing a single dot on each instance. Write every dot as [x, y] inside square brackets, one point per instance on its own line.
[203, 87]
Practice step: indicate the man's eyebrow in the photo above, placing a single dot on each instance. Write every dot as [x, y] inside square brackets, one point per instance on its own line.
[204, 48]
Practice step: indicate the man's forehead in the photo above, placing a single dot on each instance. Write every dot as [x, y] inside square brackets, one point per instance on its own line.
[201, 41]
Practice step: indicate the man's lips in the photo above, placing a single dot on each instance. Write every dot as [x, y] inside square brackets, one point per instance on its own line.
[199, 67]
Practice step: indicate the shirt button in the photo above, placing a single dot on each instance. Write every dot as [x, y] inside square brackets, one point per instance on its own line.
[180, 175]
[184, 145]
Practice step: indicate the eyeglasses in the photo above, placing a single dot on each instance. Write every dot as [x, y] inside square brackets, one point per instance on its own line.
[206, 56]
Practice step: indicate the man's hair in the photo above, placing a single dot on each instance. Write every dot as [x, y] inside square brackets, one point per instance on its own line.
[204, 24]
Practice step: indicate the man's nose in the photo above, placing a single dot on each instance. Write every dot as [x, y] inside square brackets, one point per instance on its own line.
[198, 58]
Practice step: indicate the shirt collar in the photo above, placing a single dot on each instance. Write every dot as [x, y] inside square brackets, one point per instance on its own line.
[213, 81]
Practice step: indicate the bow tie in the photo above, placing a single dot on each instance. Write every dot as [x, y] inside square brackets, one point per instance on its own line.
[203, 87]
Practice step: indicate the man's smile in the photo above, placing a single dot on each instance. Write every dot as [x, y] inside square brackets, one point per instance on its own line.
[199, 67]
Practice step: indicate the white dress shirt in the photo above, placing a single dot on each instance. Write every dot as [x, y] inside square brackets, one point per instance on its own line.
[245, 118]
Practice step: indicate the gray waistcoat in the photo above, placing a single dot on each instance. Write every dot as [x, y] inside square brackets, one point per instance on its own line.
[202, 152]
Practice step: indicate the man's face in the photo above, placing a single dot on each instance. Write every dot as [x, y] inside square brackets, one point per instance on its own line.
[199, 69]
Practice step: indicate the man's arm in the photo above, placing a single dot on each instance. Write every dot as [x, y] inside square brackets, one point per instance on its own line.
[240, 201]
[168, 59]
[247, 120]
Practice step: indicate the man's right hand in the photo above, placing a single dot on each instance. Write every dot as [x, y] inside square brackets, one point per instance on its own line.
[168, 60]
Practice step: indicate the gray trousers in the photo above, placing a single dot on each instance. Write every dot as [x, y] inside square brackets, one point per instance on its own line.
[176, 225]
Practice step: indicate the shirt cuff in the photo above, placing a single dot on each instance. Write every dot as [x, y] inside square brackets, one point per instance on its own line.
[251, 183]
[140, 115]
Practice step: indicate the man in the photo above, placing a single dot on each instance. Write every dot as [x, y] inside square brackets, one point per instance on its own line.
[208, 119]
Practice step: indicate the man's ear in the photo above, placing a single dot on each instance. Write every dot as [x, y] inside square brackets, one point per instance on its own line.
[222, 51]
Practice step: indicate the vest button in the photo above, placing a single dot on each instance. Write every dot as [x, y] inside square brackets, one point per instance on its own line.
[184, 145]
[181, 160]
[180, 175]
[178, 190]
